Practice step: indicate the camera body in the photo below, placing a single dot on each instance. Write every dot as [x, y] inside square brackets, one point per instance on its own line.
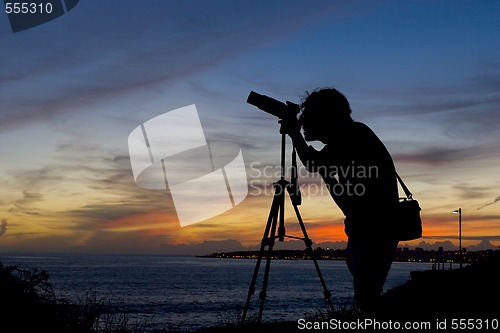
[272, 106]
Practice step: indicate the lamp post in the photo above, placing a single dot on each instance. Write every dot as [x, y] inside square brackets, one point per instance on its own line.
[459, 212]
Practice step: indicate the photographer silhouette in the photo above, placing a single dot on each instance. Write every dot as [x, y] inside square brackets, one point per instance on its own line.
[360, 176]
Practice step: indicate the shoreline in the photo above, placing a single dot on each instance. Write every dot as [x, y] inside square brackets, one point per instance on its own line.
[440, 259]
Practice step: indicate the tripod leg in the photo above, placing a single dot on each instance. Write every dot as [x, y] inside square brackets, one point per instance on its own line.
[308, 243]
[266, 241]
[280, 198]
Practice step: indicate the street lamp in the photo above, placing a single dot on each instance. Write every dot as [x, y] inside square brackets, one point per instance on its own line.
[459, 212]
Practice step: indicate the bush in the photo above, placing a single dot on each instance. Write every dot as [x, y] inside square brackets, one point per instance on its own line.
[28, 304]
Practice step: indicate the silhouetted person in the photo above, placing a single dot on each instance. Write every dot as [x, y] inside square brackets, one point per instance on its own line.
[360, 176]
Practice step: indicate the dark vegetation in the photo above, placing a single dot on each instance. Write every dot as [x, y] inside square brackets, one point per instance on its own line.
[471, 292]
[28, 303]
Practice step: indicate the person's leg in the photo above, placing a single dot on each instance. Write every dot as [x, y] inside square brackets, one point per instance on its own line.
[360, 265]
[369, 262]
[385, 256]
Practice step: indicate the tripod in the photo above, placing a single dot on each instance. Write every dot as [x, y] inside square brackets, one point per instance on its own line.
[277, 212]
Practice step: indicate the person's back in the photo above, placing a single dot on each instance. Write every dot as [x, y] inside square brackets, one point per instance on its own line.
[365, 182]
[360, 175]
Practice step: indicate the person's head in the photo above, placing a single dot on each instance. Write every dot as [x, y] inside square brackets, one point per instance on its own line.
[324, 112]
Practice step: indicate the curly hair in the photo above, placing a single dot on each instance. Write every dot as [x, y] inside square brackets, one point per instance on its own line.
[326, 101]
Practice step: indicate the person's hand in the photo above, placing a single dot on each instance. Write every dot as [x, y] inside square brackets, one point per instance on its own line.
[290, 125]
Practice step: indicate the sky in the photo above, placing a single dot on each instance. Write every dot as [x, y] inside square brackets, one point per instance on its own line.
[424, 75]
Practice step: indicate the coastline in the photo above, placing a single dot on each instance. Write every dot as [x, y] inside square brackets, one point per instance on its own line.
[441, 259]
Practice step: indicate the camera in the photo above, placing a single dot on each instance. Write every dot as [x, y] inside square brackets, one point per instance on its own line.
[272, 106]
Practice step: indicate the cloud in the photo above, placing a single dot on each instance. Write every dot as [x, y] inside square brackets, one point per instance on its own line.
[99, 216]
[472, 192]
[90, 65]
[472, 89]
[497, 199]
[32, 185]
[453, 103]
[203, 248]
[143, 47]
[26, 204]
[438, 156]
[446, 245]
[465, 237]
[135, 241]
[462, 115]
[3, 227]
[88, 187]
[484, 245]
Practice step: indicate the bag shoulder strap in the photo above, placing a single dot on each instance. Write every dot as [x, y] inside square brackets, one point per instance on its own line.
[404, 187]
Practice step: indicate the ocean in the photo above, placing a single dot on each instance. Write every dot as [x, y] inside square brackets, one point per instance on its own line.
[192, 293]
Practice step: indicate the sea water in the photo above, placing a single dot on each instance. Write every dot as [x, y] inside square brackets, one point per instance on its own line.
[191, 293]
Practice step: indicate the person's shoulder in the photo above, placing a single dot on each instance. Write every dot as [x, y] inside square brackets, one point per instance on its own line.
[360, 125]
[362, 128]
[365, 133]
